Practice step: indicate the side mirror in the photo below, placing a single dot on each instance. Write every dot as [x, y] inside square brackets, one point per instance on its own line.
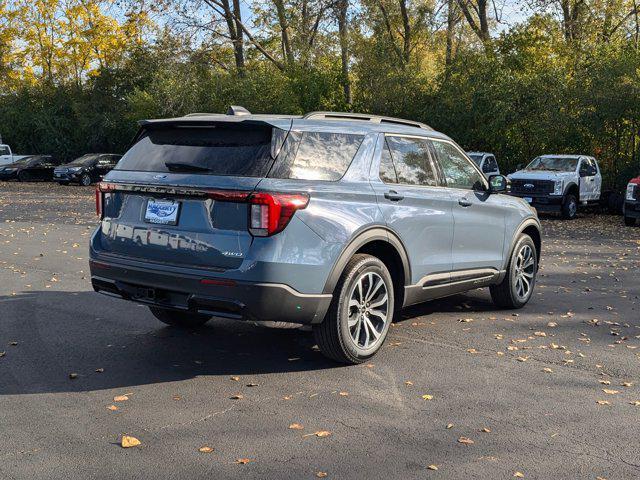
[499, 184]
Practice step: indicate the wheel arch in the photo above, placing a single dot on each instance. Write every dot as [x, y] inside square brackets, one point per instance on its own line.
[573, 189]
[531, 227]
[383, 244]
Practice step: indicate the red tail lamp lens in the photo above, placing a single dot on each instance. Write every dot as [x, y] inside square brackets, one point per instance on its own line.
[271, 212]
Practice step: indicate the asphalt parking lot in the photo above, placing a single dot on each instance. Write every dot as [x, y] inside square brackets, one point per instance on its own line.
[461, 390]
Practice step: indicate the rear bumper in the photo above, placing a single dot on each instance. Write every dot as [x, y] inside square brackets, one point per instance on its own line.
[208, 295]
[542, 203]
[632, 209]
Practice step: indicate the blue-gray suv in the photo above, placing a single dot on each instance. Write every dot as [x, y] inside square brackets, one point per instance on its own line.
[336, 220]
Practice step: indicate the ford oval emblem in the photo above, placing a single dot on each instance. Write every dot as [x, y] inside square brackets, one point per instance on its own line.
[528, 185]
[159, 177]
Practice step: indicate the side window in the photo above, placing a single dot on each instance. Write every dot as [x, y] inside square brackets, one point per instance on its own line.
[458, 171]
[316, 155]
[412, 161]
[387, 170]
[585, 167]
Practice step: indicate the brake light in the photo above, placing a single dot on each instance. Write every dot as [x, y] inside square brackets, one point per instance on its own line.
[269, 213]
[100, 189]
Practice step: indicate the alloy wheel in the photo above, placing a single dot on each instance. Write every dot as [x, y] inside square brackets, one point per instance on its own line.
[368, 310]
[524, 272]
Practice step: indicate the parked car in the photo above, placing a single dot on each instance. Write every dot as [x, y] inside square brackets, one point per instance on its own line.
[333, 220]
[632, 202]
[559, 183]
[87, 169]
[486, 162]
[29, 168]
[7, 156]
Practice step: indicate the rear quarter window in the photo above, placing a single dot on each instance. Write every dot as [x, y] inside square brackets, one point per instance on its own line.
[316, 156]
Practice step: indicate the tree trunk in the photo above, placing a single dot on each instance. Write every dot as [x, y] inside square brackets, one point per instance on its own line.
[343, 31]
[284, 29]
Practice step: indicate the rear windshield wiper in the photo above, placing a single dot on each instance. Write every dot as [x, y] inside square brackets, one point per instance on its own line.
[185, 167]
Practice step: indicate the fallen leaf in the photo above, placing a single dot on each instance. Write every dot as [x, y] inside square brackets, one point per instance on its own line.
[322, 433]
[73, 375]
[432, 467]
[243, 461]
[486, 430]
[609, 391]
[627, 384]
[427, 397]
[252, 384]
[408, 383]
[2, 354]
[605, 382]
[235, 379]
[205, 449]
[547, 370]
[449, 426]
[99, 370]
[343, 394]
[321, 474]
[128, 442]
[518, 475]
[466, 441]
[603, 402]
[236, 397]
[113, 408]
[296, 426]
[120, 398]
[522, 359]
[635, 404]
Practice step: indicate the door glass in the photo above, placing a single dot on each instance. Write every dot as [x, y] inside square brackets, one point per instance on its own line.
[458, 171]
[387, 170]
[412, 161]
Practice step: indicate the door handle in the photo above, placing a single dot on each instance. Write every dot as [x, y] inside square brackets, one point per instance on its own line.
[393, 196]
[464, 202]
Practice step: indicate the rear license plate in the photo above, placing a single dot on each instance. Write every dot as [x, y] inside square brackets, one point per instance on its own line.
[162, 212]
[528, 199]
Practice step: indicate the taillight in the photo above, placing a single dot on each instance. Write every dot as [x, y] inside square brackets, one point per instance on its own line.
[100, 189]
[98, 202]
[269, 213]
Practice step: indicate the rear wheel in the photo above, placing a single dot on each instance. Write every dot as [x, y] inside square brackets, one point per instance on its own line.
[517, 287]
[629, 221]
[569, 207]
[179, 319]
[24, 176]
[362, 309]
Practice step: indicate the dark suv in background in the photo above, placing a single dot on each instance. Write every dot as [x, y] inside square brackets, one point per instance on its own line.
[33, 167]
[87, 169]
[336, 220]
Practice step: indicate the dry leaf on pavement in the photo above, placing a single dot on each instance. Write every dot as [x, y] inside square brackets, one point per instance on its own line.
[296, 426]
[128, 442]
[465, 441]
[205, 449]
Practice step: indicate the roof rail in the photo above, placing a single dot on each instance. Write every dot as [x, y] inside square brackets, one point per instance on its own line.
[366, 118]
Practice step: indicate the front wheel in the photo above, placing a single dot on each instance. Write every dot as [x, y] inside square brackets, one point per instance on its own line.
[176, 318]
[517, 287]
[361, 311]
[24, 176]
[629, 221]
[569, 207]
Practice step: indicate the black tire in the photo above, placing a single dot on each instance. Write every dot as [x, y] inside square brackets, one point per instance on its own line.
[176, 318]
[629, 221]
[333, 335]
[85, 180]
[569, 207]
[505, 295]
[24, 177]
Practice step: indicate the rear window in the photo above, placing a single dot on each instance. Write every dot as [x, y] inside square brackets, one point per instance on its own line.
[240, 150]
[316, 155]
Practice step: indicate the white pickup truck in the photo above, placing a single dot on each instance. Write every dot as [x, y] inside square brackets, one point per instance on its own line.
[7, 156]
[559, 183]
